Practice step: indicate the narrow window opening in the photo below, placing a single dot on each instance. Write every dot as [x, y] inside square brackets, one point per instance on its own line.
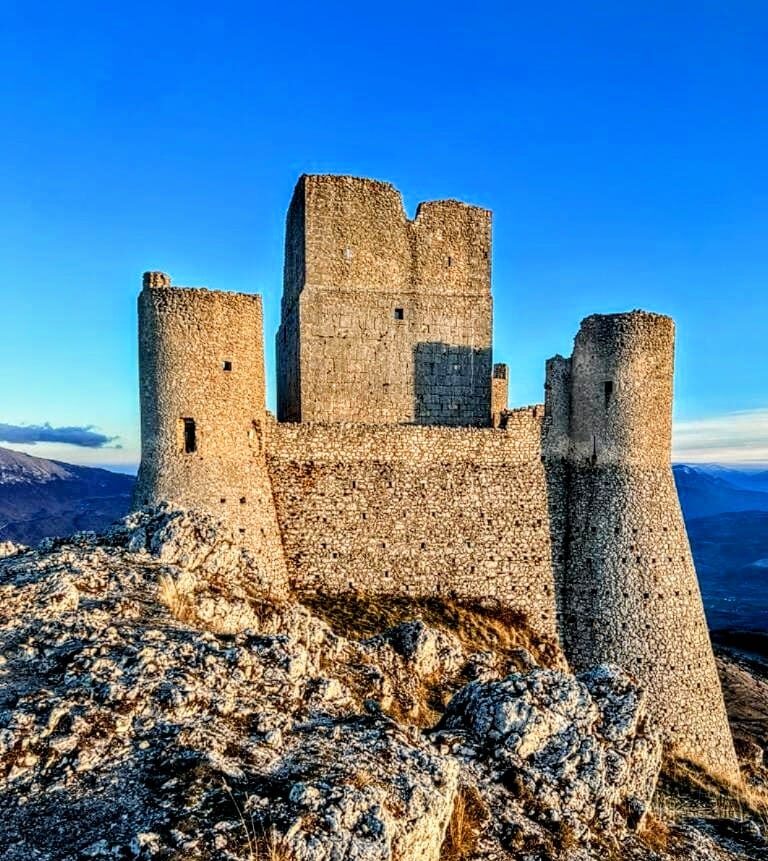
[607, 391]
[242, 500]
[190, 436]
[226, 365]
[399, 314]
[449, 260]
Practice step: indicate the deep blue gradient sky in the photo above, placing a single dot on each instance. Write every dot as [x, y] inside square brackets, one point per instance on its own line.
[622, 147]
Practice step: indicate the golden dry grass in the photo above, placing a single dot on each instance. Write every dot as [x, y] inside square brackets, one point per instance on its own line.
[180, 604]
[655, 833]
[688, 788]
[465, 825]
[477, 626]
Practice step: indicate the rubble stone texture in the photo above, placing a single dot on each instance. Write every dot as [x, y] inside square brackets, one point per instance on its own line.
[565, 514]
[629, 593]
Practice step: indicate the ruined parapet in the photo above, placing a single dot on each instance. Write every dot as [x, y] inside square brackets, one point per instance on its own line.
[201, 365]
[629, 593]
[385, 320]
[499, 392]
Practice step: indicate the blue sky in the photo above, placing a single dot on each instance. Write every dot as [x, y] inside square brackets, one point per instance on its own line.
[622, 148]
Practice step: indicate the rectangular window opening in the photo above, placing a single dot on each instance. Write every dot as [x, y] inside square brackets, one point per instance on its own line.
[226, 365]
[399, 314]
[608, 391]
[190, 436]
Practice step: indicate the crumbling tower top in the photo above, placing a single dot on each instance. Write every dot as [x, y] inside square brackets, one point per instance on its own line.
[384, 319]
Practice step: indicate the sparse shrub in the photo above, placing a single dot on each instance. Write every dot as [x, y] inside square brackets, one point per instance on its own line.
[476, 624]
[178, 602]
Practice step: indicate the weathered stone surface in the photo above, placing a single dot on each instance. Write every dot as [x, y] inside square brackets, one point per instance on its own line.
[10, 548]
[572, 752]
[129, 729]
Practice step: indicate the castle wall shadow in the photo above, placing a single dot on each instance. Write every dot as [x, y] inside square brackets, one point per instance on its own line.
[451, 384]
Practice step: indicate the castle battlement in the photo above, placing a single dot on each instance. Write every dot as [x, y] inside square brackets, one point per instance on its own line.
[395, 467]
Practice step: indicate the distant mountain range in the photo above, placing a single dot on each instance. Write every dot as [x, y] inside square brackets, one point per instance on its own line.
[726, 512]
[39, 497]
[708, 490]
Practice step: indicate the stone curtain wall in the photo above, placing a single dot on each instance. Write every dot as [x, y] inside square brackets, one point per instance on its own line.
[201, 359]
[384, 320]
[417, 511]
[629, 593]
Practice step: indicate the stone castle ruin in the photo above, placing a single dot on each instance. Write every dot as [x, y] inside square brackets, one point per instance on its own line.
[394, 466]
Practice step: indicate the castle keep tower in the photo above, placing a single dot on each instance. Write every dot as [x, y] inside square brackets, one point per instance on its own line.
[629, 593]
[201, 365]
[384, 320]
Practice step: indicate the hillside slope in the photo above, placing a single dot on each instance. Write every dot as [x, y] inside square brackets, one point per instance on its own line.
[706, 491]
[154, 706]
[41, 498]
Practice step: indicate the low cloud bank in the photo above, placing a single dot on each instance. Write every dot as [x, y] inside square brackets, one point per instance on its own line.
[84, 436]
[739, 437]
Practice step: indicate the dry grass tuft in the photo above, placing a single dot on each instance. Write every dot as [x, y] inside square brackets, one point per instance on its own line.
[655, 833]
[272, 848]
[687, 788]
[478, 626]
[465, 825]
[179, 603]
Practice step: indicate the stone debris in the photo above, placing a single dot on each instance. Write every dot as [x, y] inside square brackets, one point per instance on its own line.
[132, 729]
[10, 548]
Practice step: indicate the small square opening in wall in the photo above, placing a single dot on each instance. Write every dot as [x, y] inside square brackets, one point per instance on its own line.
[226, 365]
[399, 314]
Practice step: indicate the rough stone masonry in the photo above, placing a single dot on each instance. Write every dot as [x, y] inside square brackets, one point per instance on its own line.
[394, 467]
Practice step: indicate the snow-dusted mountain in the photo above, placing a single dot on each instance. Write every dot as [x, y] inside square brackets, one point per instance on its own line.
[41, 498]
[706, 490]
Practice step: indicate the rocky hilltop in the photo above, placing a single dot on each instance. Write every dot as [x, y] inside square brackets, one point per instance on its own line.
[153, 704]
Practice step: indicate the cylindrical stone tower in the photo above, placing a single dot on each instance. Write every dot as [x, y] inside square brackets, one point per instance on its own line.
[630, 594]
[203, 419]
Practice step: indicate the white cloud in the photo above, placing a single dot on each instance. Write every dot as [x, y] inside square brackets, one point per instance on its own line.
[739, 437]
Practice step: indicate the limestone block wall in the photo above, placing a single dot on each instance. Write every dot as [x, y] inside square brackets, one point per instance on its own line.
[384, 320]
[419, 511]
[629, 592]
[201, 364]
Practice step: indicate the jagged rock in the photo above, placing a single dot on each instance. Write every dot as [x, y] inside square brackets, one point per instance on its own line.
[10, 548]
[426, 650]
[360, 789]
[151, 707]
[196, 543]
[572, 751]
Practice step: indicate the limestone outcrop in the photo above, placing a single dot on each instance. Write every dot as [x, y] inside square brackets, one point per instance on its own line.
[151, 706]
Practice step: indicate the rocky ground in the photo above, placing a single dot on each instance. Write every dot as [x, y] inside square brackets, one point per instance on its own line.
[153, 706]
